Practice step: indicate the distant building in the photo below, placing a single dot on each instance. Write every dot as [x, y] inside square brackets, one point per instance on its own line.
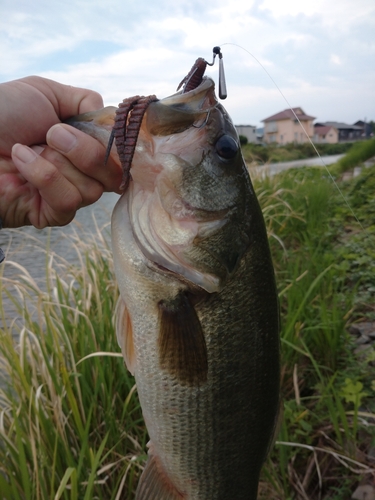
[345, 132]
[366, 128]
[249, 131]
[325, 134]
[260, 134]
[284, 127]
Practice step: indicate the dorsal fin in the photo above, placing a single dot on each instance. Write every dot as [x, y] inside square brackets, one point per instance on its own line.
[182, 346]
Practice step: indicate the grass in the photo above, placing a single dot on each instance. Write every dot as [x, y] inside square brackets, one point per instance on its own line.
[70, 427]
[70, 424]
[273, 153]
[360, 152]
[326, 279]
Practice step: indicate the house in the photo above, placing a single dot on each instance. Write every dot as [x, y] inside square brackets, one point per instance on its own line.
[325, 134]
[248, 131]
[346, 132]
[286, 127]
[260, 134]
[366, 128]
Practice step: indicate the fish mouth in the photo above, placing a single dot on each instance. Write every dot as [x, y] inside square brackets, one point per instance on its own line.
[170, 224]
[164, 226]
[178, 112]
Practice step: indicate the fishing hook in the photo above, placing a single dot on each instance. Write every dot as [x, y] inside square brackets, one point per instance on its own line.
[204, 122]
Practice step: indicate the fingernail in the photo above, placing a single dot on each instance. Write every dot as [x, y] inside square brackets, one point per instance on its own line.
[24, 153]
[61, 139]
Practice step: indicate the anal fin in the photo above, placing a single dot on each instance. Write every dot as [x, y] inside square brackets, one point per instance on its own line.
[154, 483]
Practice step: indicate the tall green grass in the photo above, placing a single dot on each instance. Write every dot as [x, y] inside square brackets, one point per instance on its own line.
[328, 392]
[359, 153]
[70, 426]
[70, 422]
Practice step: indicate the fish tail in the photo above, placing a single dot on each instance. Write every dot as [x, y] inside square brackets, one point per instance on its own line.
[97, 124]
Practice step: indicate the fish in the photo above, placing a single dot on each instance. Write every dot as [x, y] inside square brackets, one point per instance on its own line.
[198, 315]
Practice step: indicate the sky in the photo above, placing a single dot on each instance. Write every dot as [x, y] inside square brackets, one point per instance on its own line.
[313, 54]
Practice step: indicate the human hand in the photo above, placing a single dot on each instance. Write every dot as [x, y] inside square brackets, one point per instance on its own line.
[48, 170]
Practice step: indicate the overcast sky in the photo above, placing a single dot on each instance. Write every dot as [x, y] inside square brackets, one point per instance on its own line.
[320, 54]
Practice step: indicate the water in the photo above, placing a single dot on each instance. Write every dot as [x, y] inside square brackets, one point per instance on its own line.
[271, 169]
[27, 246]
[23, 245]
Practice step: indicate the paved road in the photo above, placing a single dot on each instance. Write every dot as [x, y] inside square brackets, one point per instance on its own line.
[275, 168]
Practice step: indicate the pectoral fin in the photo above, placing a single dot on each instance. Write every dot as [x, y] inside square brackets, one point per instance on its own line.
[182, 346]
[124, 332]
[154, 483]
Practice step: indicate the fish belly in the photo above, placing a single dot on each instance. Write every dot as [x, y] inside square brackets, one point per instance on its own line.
[210, 439]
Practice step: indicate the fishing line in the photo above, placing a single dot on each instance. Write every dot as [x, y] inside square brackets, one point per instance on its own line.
[303, 128]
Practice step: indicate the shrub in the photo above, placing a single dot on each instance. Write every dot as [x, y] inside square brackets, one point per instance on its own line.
[360, 152]
[243, 140]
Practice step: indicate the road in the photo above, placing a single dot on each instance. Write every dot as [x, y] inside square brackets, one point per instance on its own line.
[275, 168]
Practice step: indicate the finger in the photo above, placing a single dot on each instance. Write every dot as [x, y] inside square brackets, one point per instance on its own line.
[87, 154]
[59, 198]
[66, 99]
[76, 100]
[89, 188]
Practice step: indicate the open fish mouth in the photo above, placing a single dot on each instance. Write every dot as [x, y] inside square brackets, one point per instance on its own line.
[167, 221]
[164, 226]
[198, 313]
[130, 113]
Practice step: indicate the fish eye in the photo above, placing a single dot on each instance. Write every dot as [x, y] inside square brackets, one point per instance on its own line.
[226, 147]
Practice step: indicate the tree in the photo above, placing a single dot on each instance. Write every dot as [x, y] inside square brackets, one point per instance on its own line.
[243, 140]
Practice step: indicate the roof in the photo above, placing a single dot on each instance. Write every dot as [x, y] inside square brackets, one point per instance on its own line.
[322, 130]
[339, 125]
[288, 114]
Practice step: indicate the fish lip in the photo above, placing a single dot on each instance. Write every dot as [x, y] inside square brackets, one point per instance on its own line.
[178, 112]
[191, 223]
[170, 263]
[159, 268]
[157, 263]
[207, 86]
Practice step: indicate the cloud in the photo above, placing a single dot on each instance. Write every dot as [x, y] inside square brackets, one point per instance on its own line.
[315, 52]
[342, 15]
[335, 59]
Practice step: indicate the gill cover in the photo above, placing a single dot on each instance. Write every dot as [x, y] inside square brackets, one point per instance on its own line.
[191, 194]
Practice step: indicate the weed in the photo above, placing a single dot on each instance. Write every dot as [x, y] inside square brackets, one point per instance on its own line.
[360, 152]
[324, 386]
[70, 428]
[70, 422]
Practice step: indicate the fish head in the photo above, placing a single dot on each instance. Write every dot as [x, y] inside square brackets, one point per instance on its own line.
[190, 199]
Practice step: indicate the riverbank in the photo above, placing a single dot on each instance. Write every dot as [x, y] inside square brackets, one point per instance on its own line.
[270, 169]
[261, 154]
[28, 250]
[71, 425]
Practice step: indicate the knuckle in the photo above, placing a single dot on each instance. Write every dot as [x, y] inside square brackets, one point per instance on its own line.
[50, 176]
[92, 192]
[71, 202]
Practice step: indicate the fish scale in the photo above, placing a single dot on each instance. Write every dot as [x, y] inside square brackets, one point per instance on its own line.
[198, 314]
[206, 430]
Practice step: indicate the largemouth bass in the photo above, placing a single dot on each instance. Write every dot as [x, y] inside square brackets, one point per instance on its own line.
[198, 320]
